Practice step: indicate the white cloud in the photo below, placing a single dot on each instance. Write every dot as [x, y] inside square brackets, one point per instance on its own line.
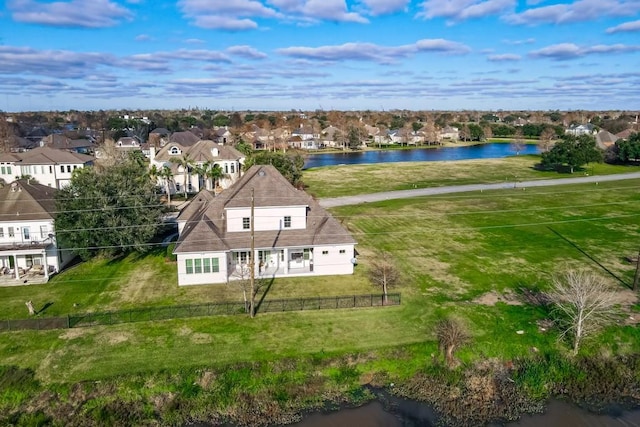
[504, 57]
[372, 52]
[565, 51]
[460, 10]
[59, 63]
[381, 7]
[246, 51]
[578, 11]
[627, 26]
[74, 13]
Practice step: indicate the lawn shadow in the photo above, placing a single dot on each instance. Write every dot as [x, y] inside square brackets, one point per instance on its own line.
[582, 251]
[44, 308]
[264, 294]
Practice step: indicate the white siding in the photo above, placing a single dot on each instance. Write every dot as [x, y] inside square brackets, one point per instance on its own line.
[194, 278]
[333, 261]
[272, 218]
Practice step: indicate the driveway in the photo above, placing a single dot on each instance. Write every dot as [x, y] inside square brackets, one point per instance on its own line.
[431, 191]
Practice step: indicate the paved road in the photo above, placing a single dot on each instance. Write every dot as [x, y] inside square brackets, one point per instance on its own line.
[404, 194]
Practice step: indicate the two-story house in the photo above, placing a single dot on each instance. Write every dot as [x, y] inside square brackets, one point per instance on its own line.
[45, 165]
[28, 242]
[292, 235]
[187, 163]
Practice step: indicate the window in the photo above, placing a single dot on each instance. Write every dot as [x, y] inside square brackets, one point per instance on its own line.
[62, 168]
[10, 230]
[1, 232]
[325, 252]
[2, 170]
[226, 168]
[287, 222]
[174, 151]
[69, 168]
[50, 169]
[233, 169]
[26, 233]
[202, 265]
[246, 223]
[43, 231]
[8, 170]
[342, 251]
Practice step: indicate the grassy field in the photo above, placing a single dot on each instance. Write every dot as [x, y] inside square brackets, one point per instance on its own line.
[466, 255]
[335, 181]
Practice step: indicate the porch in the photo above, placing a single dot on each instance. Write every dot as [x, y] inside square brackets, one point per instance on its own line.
[24, 263]
[272, 263]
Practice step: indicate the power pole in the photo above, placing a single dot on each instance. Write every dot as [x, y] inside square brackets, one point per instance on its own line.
[252, 264]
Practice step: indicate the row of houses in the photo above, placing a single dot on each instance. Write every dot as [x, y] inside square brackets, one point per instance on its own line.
[288, 231]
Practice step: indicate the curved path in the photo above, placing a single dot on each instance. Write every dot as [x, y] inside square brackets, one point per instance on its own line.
[430, 191]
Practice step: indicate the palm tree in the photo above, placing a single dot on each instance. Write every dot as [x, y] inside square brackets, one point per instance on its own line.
[167, 176]
[185, 162]
[215, 173]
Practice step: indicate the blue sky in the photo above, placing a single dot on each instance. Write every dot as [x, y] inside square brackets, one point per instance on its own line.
[320, 54]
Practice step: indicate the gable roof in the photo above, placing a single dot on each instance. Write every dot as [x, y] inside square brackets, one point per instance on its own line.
[200, 152]
[185, 138]
[47, 156]
[26, 201]
[205, 230]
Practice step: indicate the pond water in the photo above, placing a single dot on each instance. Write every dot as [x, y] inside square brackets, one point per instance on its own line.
[413, 414]
[481, 151]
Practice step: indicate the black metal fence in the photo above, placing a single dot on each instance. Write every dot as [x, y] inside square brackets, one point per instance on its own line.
[199, 310]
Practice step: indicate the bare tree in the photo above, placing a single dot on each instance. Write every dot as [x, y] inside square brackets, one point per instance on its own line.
[546, 139]
[518, 141]
[451, 335]
[29, 305]
[583, 304]
[383, 273]
[241, 280]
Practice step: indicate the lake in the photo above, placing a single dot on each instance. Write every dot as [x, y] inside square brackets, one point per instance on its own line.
[480, 151]
[408, 413]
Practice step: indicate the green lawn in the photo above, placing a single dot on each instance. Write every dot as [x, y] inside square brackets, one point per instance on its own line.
[451, 250]
[335, 181]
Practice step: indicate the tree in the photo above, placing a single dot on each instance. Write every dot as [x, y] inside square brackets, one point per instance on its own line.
[517, 144]
[573, 152]
[167, 177]
[547, 137]
[290, 166]
[583, 304]
[214, 173]
[185, 162]
[354, 137]
[451, 335]
[108, 211]
[628, 150]
[383, 273]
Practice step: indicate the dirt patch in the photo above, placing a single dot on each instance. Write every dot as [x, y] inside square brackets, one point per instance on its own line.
[200, 338]
[136, 288]
[184, 331]
[71, 334]
[491, 298]
[113, 338]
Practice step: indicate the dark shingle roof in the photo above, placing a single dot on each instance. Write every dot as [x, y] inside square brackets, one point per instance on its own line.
[26, 201]
[206, 226]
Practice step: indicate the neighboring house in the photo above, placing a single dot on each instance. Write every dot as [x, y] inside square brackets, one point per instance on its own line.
[62, 142]
[203, 152]
[128, 143]
[450, 132]
[222, 136]
[28, 245]
[305, 132]
[605, 139]
[184, 138]
[577, 130]
[47, 166]
[293, 235]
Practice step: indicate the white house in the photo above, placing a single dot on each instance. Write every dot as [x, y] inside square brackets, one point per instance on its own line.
[28, 245]
[450, 132]
[577, 130]
[293, 235]
[203, 152]
[45, 165]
